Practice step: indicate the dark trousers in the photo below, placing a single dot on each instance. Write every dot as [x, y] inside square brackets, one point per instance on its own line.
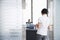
[41, 37]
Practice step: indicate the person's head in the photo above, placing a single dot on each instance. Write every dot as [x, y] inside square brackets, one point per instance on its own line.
[44, 11]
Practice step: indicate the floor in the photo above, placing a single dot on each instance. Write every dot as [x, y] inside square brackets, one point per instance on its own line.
[17, 34]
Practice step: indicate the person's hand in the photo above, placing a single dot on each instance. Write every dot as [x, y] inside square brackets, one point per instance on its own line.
[37, 25]
[50, 27]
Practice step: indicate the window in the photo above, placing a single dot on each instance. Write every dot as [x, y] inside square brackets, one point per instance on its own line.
[38, 5]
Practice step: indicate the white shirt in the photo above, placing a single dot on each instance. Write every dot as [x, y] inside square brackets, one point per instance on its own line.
[44, 20]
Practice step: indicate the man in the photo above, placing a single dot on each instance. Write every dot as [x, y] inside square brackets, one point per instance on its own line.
[42, 26]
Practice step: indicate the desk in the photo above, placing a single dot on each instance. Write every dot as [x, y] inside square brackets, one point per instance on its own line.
[31, 34]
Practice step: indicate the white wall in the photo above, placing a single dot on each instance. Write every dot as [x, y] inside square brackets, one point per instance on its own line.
[57, 20]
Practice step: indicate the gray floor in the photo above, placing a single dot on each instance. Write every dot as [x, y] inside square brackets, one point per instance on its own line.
[15, 34]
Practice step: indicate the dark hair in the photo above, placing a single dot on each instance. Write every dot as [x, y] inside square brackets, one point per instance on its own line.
[44, 11]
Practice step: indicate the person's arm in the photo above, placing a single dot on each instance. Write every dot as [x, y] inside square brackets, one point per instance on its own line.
[50, 27]
[38, 25]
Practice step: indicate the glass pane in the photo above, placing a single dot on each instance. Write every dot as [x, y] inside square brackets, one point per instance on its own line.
[11, 20]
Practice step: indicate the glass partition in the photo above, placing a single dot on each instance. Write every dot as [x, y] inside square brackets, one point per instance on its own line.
[10, 20]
